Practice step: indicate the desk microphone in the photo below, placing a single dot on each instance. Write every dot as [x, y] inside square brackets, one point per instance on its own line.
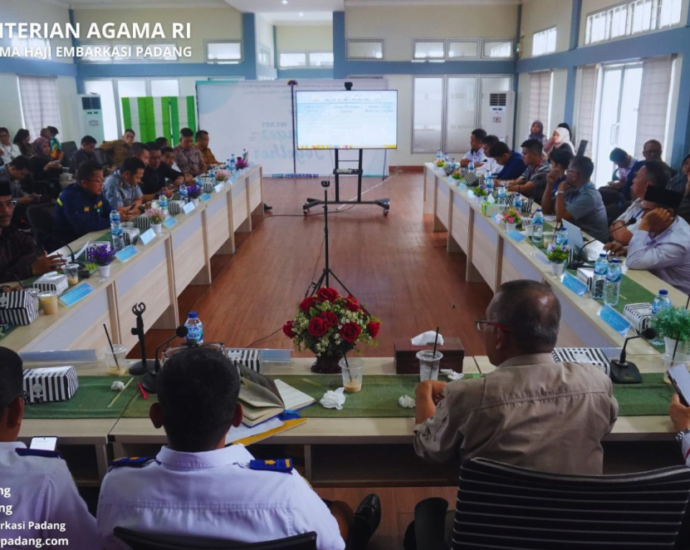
[149, 380]
[56, 240]
[626, 372]
[576, 264]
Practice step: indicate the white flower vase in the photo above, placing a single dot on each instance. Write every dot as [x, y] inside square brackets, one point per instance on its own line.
[157, 228]
[557, 269]
[195, 202]
[104, 271]
[683, 347]
[510, 227]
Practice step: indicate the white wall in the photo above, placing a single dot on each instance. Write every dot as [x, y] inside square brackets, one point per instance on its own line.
[304, 38]
[539, 15]
[399, 25]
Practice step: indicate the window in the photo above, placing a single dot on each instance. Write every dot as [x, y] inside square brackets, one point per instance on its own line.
[292, 60]
[265, 56]
[587, 93]
[165, 87]
[544, 42]
[32, 47]
[498, 49]
[540, 98]
[365, 49]
[324, 59]
[632, 18]
[463, 49]
[427, 124]
[39, 102]
[224, 52]
[428, 49]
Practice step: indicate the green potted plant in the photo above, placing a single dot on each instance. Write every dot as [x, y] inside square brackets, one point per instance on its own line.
[673, 324]
[557, 256]
[156, 216]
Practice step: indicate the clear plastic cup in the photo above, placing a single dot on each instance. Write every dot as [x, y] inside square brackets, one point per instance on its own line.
[352, 374]
[119, 368]
[429, 364]
[72, 272]
[48, 302]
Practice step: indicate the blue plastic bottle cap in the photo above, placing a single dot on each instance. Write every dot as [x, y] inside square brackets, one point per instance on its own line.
[603, 255]
[192, 315]
[663, 292]
[616, 261]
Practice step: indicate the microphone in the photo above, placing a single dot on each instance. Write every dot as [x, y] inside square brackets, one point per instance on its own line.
[149, 379]
[576, 263]
[45, 233]
[626, 372]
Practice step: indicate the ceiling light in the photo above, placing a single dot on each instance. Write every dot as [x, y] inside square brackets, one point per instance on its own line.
[301, 14]
[284, 2]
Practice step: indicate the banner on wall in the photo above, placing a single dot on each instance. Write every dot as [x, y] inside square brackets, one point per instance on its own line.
[153, 117]
[257, 116]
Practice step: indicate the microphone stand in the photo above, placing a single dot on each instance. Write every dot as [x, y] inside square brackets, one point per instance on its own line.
[140, 367]
[577, 264]
[626, 372]
[149, 379]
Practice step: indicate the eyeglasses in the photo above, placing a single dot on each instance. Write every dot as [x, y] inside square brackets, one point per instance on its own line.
[9, 204]
[482, 323]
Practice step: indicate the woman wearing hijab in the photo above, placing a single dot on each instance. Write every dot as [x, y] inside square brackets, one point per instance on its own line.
[537, 132]
[45, 169]
[22, 139]
[559, 139]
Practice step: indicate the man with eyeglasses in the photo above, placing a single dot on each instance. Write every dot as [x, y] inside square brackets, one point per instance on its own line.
[20, 257]
[529, 412]
[37, 493]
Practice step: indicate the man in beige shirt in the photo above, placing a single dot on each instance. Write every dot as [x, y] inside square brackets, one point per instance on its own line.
[530, 411]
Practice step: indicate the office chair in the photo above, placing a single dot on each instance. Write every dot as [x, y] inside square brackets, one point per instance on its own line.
[149, 541]
[41, 218]
[582, 148]
[69, 148]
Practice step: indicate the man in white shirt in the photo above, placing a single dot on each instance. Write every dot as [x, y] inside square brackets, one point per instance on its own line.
[8, 150]
[38, 498]
[476, 152]
[198, 487]
[654, 172]
[680, 415]
[661, 243]
[489, 166]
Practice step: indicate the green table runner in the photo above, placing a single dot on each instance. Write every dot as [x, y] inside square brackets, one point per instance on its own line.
[651, 398]
[91, 400]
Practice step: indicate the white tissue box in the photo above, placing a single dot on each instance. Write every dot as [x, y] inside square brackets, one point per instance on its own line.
[593, 356]
[249, 357]
[17, 308]
[53, 282]
[49, 384]
[585, 274]
[639, 315]
[175, 207]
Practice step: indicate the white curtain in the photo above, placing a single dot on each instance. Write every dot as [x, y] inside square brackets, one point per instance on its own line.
[654, 96]
[584, 127]
[40, 107]
[540, 99]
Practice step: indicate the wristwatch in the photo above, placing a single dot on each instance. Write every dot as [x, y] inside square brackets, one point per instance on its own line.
[559, 192]
[680, 436]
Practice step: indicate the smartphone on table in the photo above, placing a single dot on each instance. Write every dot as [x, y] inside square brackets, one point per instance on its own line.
[680, 378]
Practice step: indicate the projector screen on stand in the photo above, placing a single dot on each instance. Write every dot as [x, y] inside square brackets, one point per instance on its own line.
[361, 119]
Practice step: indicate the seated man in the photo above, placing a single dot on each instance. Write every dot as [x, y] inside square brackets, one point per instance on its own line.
[534, 178]
[578, 201]
[529, 412]
[81, 207]
[202, 140]
[37, 486]
[476, 152]
[13, 173]
[489, 166]
[20, 257]
[85, 152]
[559, 160]
[680, 415]
[168, 168]
[143, 153]
[119, 148]
[624, 164]
[654, 172]
[122, 186]
[652, 150]
[511, 164]
[679, 182]
[8, 150]
[187, 156]
[661, 243]
[154, 180]
[197, 486]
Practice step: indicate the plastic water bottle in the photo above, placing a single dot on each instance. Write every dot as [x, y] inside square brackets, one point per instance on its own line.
[116, 230]
[601, 267]
[439, 155]
[470, 167]
[538, 227]
[612, 286]
[517, 203]
[233, 166]
[562, 237]
[195, 329]
[183, 193]
[163, 204]
[245, 154]
[662, 301]
[502, 197]
[489, 181]
[453, 164]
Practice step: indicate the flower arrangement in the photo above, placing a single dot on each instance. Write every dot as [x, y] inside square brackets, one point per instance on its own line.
[100, 254]
[155, 215]
[241, 163]
[558, 254]
[440, 163]
[221, 176]
[480, 192]
[511, 216]
[331, 325]
[193, 192]
[673, 322]
[457, 175]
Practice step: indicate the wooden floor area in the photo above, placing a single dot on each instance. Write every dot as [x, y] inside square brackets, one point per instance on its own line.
[395, 265]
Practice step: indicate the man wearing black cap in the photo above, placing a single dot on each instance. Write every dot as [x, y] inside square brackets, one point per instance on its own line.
[661, 244]
[37, 493]
[20, 258]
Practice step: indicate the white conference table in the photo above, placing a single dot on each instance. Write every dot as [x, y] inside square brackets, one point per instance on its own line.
[156, 275]
[495, 258]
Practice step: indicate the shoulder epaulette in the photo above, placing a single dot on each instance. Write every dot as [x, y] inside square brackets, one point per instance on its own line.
[278, 465]
[131, 462]
[38, 452]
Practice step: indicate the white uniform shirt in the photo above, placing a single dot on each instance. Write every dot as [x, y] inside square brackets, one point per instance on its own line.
[39, 500]
[633, 212]
[476, 156]
[9, 152]
[666, 255]
[212, 494]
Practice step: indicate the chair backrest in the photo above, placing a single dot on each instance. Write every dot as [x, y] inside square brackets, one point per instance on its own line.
[68, 150]
[582, 148]
[42, 220]
[502, 506]
[148, 541]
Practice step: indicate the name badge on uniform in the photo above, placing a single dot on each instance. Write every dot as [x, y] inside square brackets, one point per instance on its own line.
[278, 465]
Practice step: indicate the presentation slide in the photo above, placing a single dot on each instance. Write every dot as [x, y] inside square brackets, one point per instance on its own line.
[347, 119]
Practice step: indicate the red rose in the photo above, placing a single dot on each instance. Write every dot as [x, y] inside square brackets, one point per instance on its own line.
[327, 295]
[351, 303]
[306, 304]
[330, 318]
[373, 328]
[317, 328]
[350, 332]
[287, 329]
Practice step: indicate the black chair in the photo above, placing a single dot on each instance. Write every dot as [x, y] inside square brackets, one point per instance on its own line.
[69, 148]
[146, 541]
[41, 218]
[582, 148]
[510, 508]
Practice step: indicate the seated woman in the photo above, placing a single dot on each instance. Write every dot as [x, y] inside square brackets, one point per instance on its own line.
[45, 169]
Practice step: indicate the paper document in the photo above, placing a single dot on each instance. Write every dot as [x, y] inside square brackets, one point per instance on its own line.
[242, 432]
[293, 398]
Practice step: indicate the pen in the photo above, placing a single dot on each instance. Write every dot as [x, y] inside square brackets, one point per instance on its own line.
[143, 391]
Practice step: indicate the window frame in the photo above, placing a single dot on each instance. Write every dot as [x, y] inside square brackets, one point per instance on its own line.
[310, 66]
[292, 68]
[486, 41]
[545, 31]
[475, 41]
[208, 42]
[366, 40]
[416, 41]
